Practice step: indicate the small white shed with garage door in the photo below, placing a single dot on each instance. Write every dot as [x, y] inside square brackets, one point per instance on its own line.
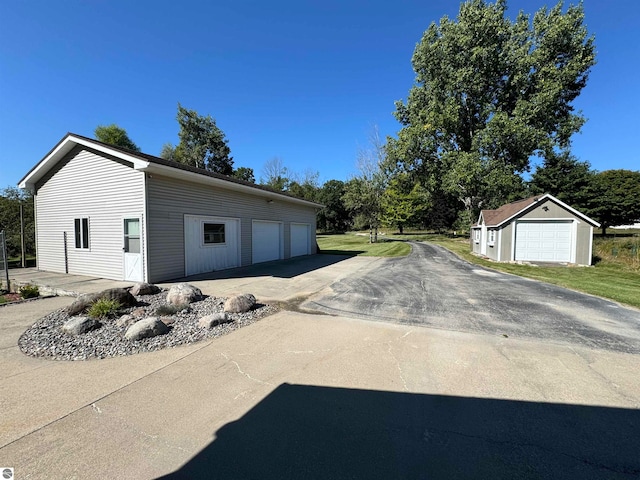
[110, 212]
[537, 229]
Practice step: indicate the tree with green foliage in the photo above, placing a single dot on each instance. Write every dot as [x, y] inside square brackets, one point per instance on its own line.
[334, 217]
[304, 186]
[614, 198]
[363, 193]
[10, 200]
[202, 144]
[244, 173]
[490, 93]
[115, 135]
[564, 177]
[275, 175]
[442, 213]
[168, 152]
[404, 202]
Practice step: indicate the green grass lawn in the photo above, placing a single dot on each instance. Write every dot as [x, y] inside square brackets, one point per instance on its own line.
[352, 244]
[609, 278]
[16, 262]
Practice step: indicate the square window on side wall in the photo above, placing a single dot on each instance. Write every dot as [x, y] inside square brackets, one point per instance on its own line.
[213, 233]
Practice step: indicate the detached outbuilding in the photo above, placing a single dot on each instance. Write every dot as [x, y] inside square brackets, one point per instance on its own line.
[110, 212]
[536, 229]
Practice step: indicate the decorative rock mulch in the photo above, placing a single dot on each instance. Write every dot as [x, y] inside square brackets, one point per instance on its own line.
[47, 339]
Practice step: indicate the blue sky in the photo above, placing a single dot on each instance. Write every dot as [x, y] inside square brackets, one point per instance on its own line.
[303, 81]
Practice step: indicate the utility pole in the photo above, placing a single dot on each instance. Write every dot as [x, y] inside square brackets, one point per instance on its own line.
[5, 260]
[22, 244]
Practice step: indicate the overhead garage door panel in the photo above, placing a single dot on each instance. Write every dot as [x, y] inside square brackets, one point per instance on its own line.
[267, 241]
[543, 241]
[300, 234]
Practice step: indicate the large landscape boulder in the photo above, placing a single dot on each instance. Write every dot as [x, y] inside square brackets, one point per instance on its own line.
[126, 320]
[121, 295]
[183, 294]
[146, 328]
[80, 325]
[143, 288]
[240, 303]
[213, 320]
[83, 302]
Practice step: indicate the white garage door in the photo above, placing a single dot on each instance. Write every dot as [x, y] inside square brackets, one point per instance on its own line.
[300, 238]
[543, 241]
[210, 243]
[266, 241]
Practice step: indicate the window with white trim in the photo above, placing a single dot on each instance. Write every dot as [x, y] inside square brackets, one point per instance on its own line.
[81, 232]
[213, 233]
[476, 235]
[492, 237]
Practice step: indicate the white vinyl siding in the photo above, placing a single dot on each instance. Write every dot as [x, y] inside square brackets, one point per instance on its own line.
[86, 185]
[170, 199]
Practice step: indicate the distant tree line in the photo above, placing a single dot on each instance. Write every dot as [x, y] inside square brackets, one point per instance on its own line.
[11, 199]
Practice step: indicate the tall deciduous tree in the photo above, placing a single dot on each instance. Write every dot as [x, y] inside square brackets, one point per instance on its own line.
[404, 202]
[564, 177]
[202, 144]
[275, 175]
[244, 173]
[305, 186]
[115, 135]
[363, 193]
[489, 93]
[334, 217]
[614, 198]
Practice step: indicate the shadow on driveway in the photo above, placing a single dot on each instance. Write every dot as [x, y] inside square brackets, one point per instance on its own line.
[324, 433]
[289, 268]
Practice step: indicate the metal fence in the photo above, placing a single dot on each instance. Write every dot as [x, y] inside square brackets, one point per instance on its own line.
[4, 262]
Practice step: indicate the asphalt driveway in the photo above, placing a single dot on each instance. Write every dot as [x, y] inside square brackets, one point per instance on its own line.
[433, 287]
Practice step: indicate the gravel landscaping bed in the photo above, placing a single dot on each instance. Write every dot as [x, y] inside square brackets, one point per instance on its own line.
[46, 339]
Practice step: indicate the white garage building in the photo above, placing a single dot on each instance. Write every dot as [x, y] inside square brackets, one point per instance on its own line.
[536, 229]
[110, 212]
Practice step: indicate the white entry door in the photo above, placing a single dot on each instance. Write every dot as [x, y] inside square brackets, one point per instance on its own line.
[210, 243]
[300, 239]
[132, 250]
[267, 241]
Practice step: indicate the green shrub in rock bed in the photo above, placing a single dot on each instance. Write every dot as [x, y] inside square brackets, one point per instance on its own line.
[104, 308]
[170, 309]
[29, 291]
